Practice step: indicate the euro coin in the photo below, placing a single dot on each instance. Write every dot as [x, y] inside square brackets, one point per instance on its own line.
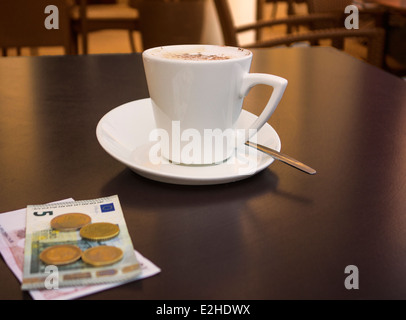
[70, 221]
[99, 231]
[102, 255]
[60, 254]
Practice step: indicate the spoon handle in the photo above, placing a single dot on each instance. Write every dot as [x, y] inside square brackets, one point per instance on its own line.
[282, 157]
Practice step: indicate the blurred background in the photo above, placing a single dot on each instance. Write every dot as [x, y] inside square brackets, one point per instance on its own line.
[126, 26]
[116, 40]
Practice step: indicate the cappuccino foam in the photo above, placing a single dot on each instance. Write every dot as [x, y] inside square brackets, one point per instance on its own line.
[195, 56]
[199, 53]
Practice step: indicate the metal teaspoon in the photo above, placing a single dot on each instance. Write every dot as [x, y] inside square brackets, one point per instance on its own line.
[282, 157]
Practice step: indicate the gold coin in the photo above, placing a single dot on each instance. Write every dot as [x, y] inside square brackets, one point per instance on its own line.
[70, 221]
[102, 255]
[60, 254]
[99, 231]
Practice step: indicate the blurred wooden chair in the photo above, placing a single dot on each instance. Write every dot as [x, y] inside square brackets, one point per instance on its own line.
[290, 7]
[22, 24]
[317, 6]
[368, 18]
[168, 22]
[375, 36]
[322, 6]
[95, 15]
[290, 10]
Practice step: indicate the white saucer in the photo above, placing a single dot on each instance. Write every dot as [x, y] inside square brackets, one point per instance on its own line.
[124, 134]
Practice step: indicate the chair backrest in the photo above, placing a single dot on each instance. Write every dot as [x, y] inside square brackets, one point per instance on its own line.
[98, 1]
[324, 6]
[22, 24]
[226, 22]
[374, 36]
[321, 6]
[170, 22]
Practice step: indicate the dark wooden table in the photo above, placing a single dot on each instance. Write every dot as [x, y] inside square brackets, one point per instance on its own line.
[281, 234]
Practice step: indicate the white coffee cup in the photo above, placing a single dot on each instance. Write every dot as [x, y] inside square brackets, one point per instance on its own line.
[197, 93]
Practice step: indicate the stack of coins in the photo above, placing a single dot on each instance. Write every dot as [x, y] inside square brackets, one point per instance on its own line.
[95, 256]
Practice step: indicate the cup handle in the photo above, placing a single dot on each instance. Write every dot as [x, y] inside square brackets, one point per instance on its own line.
[279, 85]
